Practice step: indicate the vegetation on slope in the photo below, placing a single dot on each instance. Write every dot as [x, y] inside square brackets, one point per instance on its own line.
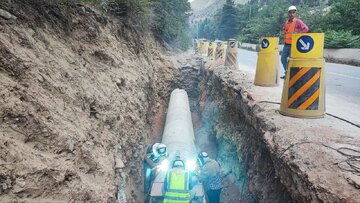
[167, 19]
[249, 22]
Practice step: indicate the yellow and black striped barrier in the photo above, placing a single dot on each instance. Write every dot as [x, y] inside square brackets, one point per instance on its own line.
[267, 65]
[203, 47]
[196, 46]
[211, 50]
[231, 53]
[219, 50]
[304, 86]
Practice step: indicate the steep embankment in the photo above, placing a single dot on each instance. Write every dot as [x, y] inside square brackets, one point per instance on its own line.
[77, 93]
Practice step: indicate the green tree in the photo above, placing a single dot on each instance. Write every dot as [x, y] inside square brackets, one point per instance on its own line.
[206, 29]
[259, 18]
[229, 22]
[344, 15]
[266, 23]
[170, 21]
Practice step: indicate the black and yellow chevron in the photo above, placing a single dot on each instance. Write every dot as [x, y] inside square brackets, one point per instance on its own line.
[304, 88]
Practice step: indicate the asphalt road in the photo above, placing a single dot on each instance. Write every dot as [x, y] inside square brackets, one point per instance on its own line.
[342, 86]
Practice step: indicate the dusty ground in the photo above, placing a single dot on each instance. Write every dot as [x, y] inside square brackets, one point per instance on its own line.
[78, 92]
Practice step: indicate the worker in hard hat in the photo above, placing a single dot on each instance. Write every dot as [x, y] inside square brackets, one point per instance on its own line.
[155, 153]
[210, 175]
[291, 26]
[177, 184]
[196, 190]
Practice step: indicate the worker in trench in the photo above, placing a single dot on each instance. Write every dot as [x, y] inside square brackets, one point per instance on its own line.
[177, 184]
[210, 175]
[155, 154]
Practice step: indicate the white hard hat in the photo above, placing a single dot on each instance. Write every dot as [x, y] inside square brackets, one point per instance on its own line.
[292, 8]
[203, 155]
[161, 149]
[178, 164]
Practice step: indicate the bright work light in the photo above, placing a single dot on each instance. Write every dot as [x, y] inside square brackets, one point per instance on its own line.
[190, 165]
[164, 165]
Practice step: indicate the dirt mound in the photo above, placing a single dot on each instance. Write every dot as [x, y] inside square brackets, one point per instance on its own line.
[77, 95]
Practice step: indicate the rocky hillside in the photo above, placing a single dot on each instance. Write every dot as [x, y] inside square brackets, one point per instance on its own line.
[206, 8]
[77, 96]
[197, 5]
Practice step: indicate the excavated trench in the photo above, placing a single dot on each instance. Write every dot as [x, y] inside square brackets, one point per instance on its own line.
[226, 128]
[82, 95]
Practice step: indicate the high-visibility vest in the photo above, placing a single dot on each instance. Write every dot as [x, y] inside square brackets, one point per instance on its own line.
[289, 31]
[177, 187]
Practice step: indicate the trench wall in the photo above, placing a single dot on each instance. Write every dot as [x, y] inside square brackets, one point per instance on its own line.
[232, 133]
[242, 149]
[78, 94]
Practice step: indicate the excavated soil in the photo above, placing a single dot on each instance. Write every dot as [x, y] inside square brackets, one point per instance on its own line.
[78, 93]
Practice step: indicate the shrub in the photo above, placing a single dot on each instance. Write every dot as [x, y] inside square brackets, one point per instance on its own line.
[96, 2]
[134, 12]
[341, 39]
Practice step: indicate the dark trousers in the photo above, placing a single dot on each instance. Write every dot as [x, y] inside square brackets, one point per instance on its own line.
[285, 54]
[147, 178]
[213, 195]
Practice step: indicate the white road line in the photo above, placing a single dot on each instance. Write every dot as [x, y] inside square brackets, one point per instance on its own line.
[343, 75]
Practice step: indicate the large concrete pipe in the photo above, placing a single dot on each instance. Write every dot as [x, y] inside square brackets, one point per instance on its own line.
[178, 133]
[179, 139]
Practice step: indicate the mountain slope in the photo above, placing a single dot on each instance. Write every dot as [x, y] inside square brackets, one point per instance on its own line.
[206, 8]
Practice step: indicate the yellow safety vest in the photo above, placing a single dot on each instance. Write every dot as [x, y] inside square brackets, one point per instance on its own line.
[177, 188]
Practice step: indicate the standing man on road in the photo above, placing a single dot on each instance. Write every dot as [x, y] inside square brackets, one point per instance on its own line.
[291, 26]
[211, 177]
